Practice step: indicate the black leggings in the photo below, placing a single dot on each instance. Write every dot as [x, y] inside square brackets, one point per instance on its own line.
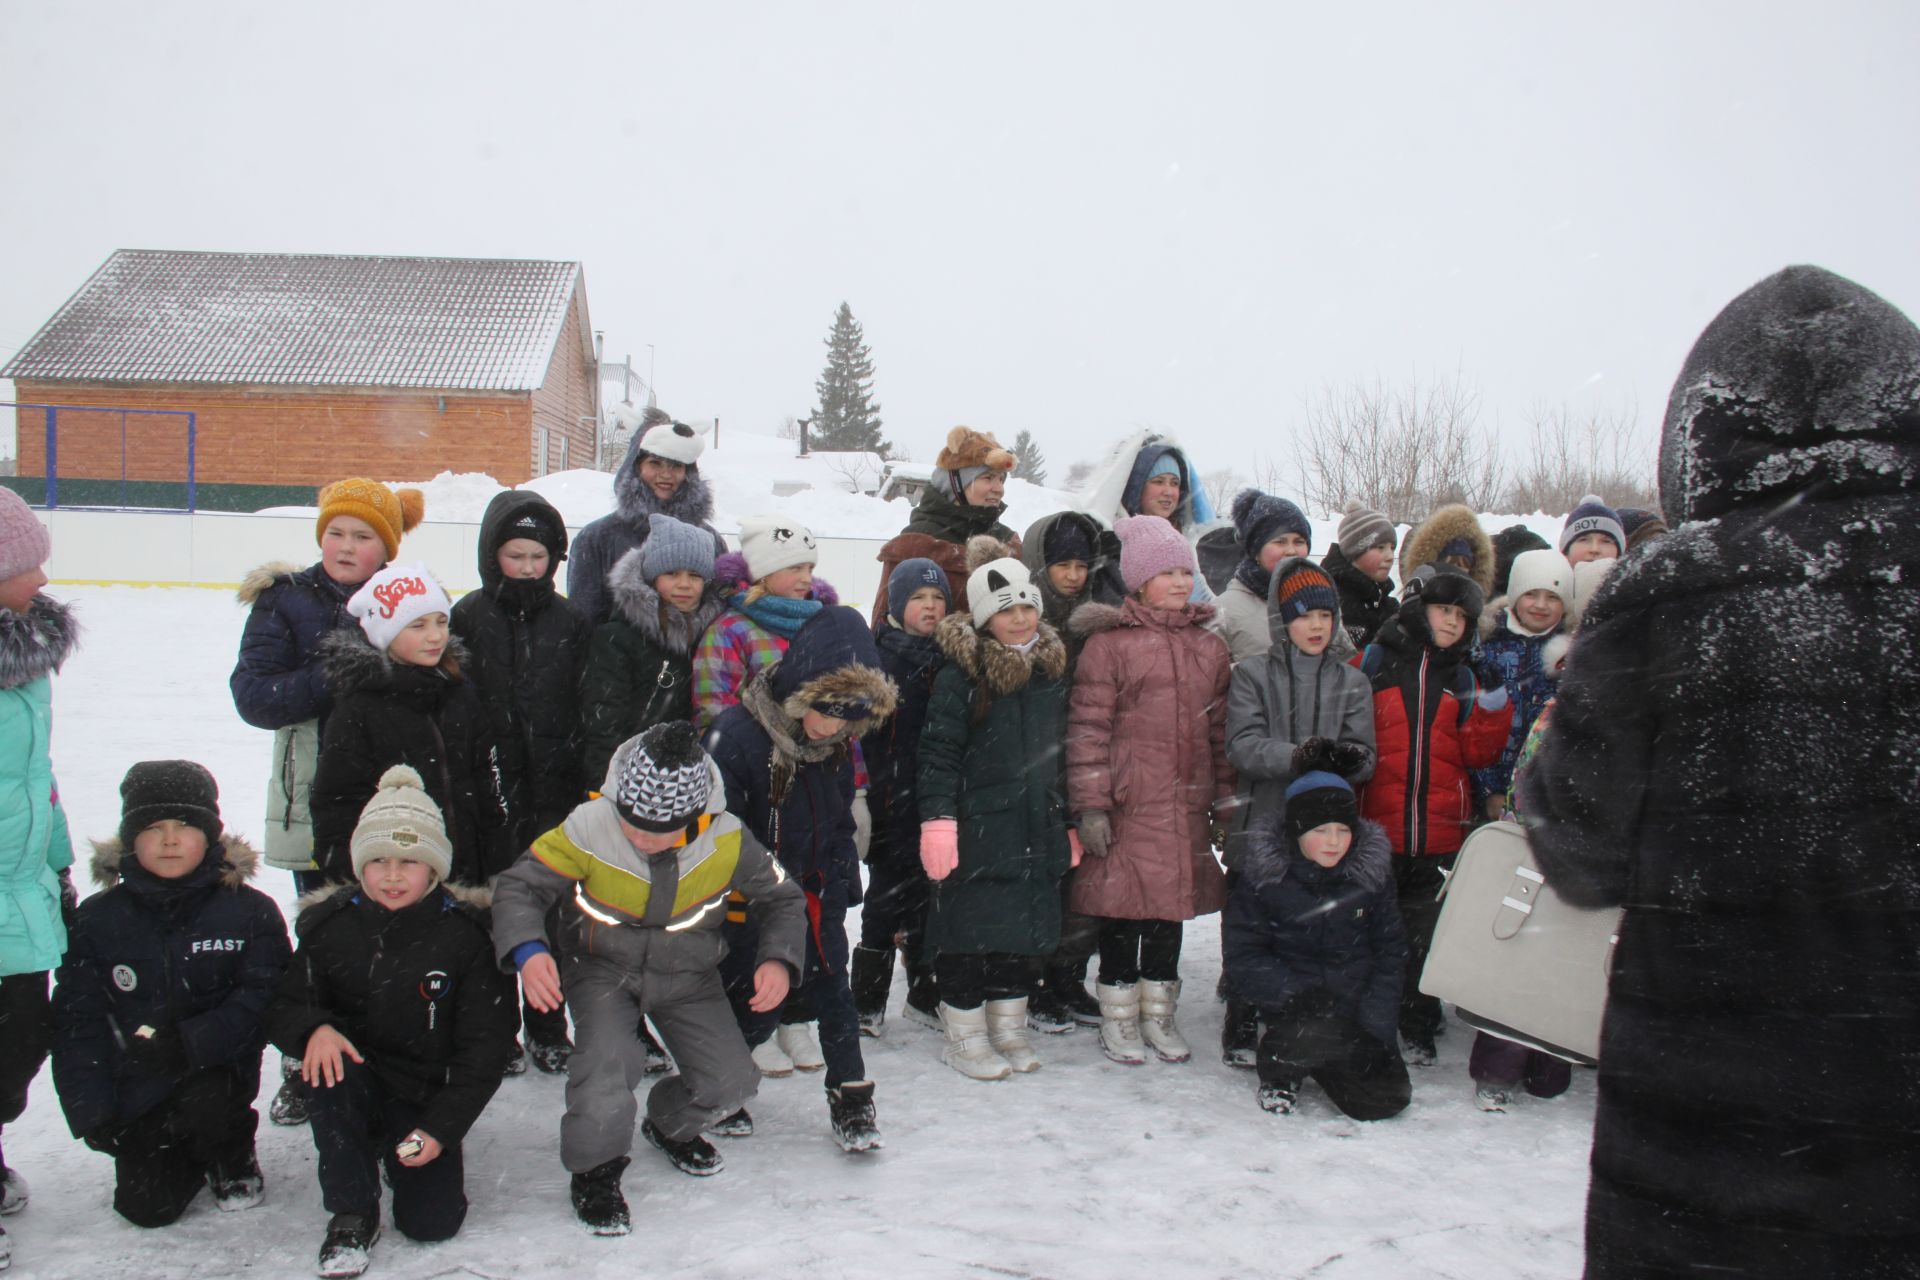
[966, 982]
[1134, 949]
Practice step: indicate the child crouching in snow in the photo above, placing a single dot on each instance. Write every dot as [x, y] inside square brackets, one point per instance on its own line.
[161, 999]
[640, 875]
[1312, 939]
[994, 838]
[402, 1023]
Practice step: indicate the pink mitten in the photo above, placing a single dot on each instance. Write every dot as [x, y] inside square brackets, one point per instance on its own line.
[939, 847]
[1074, 846]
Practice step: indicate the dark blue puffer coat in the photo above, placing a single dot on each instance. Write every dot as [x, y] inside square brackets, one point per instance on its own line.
[1292, 927]
[277, 680]
[892, 750]
[201, 956]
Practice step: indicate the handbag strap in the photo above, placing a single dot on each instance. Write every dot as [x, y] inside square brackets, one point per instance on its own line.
[1518, 904]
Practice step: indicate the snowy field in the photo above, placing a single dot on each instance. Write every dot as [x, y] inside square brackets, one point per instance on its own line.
[1085, 1168]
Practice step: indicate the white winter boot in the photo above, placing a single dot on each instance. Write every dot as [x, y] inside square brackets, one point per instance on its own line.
[1158, 1000]
[772, 1059]
[798, 1043]
[1120, 1023]
[1007, 1030]
[969, 1049]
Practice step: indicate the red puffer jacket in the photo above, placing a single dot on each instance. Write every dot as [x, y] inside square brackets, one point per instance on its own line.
[1432, 722]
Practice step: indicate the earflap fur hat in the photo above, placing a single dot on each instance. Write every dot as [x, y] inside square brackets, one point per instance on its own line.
[1450, 586]
[393, 598]
[771, 544]
[1149, 547]
[393, 513]
[674, 441]
[662, 779]
[24, 541]
[155, 790]
[402, 821]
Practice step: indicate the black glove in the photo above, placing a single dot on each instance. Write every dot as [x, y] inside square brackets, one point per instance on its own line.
[162, 1053]
[1350, 758]
[69, 900]
[1314, 753]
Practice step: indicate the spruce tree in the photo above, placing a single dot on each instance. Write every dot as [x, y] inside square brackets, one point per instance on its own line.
[847, 420]
[1029, 463]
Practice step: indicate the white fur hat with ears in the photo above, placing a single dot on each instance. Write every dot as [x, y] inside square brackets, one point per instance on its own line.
[999, 585]
[771, 544]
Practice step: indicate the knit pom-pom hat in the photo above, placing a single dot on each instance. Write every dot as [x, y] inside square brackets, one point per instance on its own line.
[393, 513]
[402, 821]
[1593, 515]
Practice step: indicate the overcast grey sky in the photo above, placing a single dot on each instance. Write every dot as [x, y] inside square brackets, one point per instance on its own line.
[1071, 218]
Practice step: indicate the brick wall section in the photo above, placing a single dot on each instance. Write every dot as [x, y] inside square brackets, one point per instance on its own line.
[566, 394]
[279, 435]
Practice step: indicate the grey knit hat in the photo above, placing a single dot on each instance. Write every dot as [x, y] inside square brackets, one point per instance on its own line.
[402, 821]
[662, 780]
[674, 544]
[1361, 528]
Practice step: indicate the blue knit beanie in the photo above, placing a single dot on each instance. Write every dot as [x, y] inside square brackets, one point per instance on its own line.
[910, 576]
[1593, 515]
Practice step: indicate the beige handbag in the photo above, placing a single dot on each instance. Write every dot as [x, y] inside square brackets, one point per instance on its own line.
[1513, 958]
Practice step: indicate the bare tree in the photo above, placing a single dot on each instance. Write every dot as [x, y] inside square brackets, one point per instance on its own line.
[1570, 456]
[1221, 485]
[789, 428]
[1401, 450]
[860, 474]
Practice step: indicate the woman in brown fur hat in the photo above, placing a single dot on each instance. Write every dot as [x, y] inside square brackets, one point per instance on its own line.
[964, 500]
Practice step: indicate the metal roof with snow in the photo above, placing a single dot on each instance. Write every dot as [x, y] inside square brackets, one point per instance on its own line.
[479, 324]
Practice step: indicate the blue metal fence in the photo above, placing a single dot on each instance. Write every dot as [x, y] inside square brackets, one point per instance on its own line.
[53, 412]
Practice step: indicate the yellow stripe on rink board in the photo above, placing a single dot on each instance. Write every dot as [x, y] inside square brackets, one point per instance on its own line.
[141, 582]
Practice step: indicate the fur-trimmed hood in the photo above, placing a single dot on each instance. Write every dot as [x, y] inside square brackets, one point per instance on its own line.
[987, 662]
[638, 604]
[1367, 866]
[633, 502]
[1430, 537]
[781, 718]
[260, 577]
[1091, 619]
[353, 664]
[319, 905]
[242, 860]
[36, 643]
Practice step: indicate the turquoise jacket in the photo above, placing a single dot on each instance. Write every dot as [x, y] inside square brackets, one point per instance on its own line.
[34, 846]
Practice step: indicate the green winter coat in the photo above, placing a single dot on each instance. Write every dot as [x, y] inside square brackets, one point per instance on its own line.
[34, 846]
[1004, 779]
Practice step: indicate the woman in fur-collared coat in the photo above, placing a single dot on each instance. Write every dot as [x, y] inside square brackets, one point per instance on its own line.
[1732, 759]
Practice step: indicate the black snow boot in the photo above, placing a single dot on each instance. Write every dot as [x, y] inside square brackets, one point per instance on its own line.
[549, 1059]
[855, 1124]
[737, 1125]
[597, 1201]
[872, 982]
[1047, 1013]
[1240, 1035]
[236, 1183]
[658, 1064]
[517, 1064]
[289, 1105]
[350, 1238]
[1069, 986]
[923, 997]
[693, 1155]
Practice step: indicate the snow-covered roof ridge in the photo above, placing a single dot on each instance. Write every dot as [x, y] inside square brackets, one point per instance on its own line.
[157, 315]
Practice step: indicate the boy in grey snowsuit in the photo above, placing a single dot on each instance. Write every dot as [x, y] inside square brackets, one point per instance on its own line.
[642, 874]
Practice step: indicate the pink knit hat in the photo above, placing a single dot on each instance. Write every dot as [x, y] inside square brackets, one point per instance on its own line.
[24, 542]
[1149, 546]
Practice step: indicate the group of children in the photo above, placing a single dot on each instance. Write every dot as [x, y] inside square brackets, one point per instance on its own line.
[506, 812]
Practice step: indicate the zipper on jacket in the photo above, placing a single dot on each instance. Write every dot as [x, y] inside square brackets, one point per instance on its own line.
[1415, 845]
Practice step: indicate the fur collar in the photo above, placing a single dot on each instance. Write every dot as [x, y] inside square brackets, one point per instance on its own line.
[984, 660]
[1092, 619]
[638, 604]
[1425, 543]
[352, 663]
[791, 746]
[317, 905]
[242, 861]
[1368, 865]
[36, 643]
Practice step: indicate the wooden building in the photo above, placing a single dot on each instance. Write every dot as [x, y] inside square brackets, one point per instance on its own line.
[301, 368]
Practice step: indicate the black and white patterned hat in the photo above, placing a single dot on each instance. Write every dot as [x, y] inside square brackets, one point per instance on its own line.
[663, 780]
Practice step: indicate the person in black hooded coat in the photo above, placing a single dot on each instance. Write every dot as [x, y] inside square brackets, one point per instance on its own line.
[1732, 760]
[526, 646]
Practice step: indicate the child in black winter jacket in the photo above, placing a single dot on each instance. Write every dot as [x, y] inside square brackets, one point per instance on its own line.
[1312, 939]
[403, 1025]
[526, 647]
[159, 1008]
[401, 696]
[895, 911]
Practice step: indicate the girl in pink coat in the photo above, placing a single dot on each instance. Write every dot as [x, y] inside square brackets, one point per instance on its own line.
[1147, 773]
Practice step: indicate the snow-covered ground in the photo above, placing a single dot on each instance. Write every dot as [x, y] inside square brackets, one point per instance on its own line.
[1084, 1169]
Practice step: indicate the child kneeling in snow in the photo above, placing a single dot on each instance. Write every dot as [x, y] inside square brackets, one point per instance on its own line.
[641, 875]
[159, 1005]
[402, 1023]
[1312, 939]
